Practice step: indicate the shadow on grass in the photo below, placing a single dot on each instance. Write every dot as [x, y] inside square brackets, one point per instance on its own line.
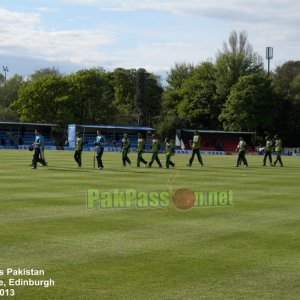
[71, 170]
[155, 170]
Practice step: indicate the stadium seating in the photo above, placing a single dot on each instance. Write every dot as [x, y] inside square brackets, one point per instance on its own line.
[89, 139]
[216, 142]
[15, 138]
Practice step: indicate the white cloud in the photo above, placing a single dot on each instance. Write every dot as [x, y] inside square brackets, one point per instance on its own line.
[238, 9]
[46, 9]
[9, 19]
[195, 31]
[21, 35]
[160, 57]
[258, 15]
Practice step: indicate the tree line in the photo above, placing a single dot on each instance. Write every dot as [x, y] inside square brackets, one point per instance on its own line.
[233, 93]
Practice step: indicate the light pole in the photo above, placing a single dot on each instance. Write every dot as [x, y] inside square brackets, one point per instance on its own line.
[269, 56]
[5, 69]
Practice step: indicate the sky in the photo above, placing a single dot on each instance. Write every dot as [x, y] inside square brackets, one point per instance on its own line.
[71, 35]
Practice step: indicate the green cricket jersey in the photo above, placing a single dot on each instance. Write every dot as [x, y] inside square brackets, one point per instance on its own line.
[141, 145]
[278, 145]
[268, 146]
[242, 146]
[170, 149]
[196, 142]
[125, 144]
[79, 144]
[155, 145]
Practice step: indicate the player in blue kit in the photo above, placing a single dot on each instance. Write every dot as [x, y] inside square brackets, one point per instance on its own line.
[38, 148]
[99, 149]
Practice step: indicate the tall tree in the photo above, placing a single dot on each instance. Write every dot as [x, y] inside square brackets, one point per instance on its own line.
[154, 93]
[178, 74]
[127, 87]
[12, 86]
[198, 107]
[168, 119]
[292, 123]
[45, 72]
[38, 98]
[140, 100]
[251, 106]
[91, 95]
[9, 93]
[284, 76]
[286, 82]
[237, 59]
[123, 82]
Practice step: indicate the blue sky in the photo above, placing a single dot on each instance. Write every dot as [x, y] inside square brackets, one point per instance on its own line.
[152, 34]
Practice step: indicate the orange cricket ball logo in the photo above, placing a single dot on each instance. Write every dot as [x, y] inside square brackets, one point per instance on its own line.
[184, 199]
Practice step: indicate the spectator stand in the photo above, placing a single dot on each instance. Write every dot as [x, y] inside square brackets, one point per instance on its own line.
[113, 135]
[17, 135]
[214, 141]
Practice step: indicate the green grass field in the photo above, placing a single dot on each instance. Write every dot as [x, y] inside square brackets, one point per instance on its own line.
[246, 251]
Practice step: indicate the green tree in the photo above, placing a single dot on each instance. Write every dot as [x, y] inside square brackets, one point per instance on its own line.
[9, 93]
[286, 83]
[178, 74]
[198, 107]
[38, 98]
[237, 59]
[153, 96]
[91, 95]
[251, 106]
[140, 101]
[123, 82]
[295, 87]
[284, 76]
[288, 126]
[8, 114]
[45, 72]
[168, 121]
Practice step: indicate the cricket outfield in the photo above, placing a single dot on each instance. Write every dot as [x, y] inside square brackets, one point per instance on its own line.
[55, 244]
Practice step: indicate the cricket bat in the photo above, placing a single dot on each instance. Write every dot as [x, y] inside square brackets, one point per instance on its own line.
[94, 160]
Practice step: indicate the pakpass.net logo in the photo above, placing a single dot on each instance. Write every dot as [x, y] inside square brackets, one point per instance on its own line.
[182, 199]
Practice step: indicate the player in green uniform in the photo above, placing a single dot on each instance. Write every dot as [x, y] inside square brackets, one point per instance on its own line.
[155, 149]
[99, 148]
[125, 147]
[268, 151]
[196, 149]
[78, 149]
[170, 151]
[38, 147]
[140, 150]
[278, 150]
[241, 148]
